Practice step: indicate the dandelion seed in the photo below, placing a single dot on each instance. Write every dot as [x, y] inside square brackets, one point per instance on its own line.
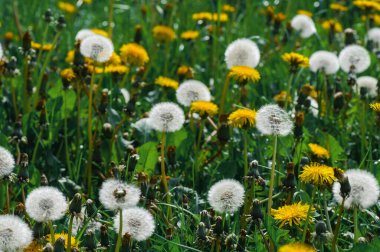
[304, 25]
[226, 196]
[15, 234]
[273, 120]
[97, 47]
[192, 90]
[7, 162]
[354, 58]
[293, 214]
[368, 83]
[324, 61]
[242, 52]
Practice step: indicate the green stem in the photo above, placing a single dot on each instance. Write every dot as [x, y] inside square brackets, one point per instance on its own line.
[337, 227]
[69, 232]
[272, 173]
[8, 207]
[224, 94]
[163, 174]
[288, 94]
[51, 232]
[308, 215]
[326, 212]
[36, 146]
[89, 132]
[65, 136]
[119, 235]
[245, 138]
[356, 225]
[110, 18]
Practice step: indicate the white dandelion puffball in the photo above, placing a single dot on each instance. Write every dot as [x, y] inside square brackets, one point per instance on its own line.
[1, 51]
[242, 52]
[46, 203]
[97, 47]
[7, 162]
[15, 234]
[374, 36]
[314, 107]
[192, 90]
[84, 33]
[364, 189]
[355, 58]
[137, 222]
[116, 194]
[368, 83]
[226, 196]
[166, 116]
[304, 25]
[324, 61]
[273, 120]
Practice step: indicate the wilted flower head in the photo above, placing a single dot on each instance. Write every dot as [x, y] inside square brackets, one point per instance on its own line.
[368, 83]
[97, 47]
[273, 120]
[354, 58]
[242, 52]
[116, 194]
[84, 33]
[374, 36]
[293, 214]
[137, 222]
[7, 162]
[304, 25]
[226, 196]
[364, 189]
[166, 117]
[46, 203]
[324, 61]
[192, 90]
[15, 234]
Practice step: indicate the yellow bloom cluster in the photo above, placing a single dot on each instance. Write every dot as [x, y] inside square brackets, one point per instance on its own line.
[208, 16]
[332, 24]
[367, 5]
[296, 247]
[67, 7]
[189, 35]
[38, 46]
[338, 7]
[296, 59]
[67, 74]
[375, 106]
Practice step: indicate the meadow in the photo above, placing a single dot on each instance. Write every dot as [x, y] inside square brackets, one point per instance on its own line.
[189, 125]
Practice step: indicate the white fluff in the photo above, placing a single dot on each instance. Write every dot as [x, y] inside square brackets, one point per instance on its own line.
[374, 36]
[1, 51]
[84, 33]
[7, 162]
[242, 52]
[354, 56]
[97, 47]
[192, 90]
[304, 25]
[166, 117]
[314, 108]
[15, 234]
[367, 82]
[324, 61]
[137, 222]
[116, 194]
[142, 125]
[364, 189]
[226, 196]
[273, 120]
[46, 203]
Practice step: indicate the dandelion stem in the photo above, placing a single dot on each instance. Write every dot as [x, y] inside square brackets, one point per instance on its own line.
[337, 227]
[110, 18]
[356, 225]
[36, 146]
[7, 206]
[326, 212]
[272, 173]
[308, 214]
[245, 138]
[288, 95]
[163, 174]
[65, 136]
[89, 132]
[69, 232]
[120, 233]
[50, 223]
[224, 94]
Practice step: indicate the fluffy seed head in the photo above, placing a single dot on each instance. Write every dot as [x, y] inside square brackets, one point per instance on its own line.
[226, 196]
[374, 36]
[354, 58]
[364, 189]
[15, 234]
[7, 162]
[192, 90]
[137, 222]
[84, 33]
[368, 83]
[166, 117]
[1, 51]
[314, 107]
[242, 52]
[304, 25]
[116, 194]
[273, 120]
[46, 203]
[97, 47]
[324, 61]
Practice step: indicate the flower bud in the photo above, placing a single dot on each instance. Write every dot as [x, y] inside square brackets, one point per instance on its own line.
[75, 206]
[126, 242]
[256, 213]
[201, 231]
[91, 209]
[23, 174]
[320, 228]
[26, 42]
[345, 187]
[205, 218]
[349, 36]
[44, 180]
[242, 241]
[138, 33]
[223, 132]
[61, 22]
[48, 248]
[89, 240]
[218, 228]
[48, 16]
[107, 130]
[59, 245]
[104, 239]
[231, 241]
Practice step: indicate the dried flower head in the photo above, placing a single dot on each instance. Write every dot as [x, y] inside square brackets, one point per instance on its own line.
[7, 162]
[319, 151]
[166, 82]
[368, 83]
[242, 118]
[15, 234]
[226, 196]
[317, 174]
[243, 74]
[354, 58]
[273, 120]
[324, 61]
[166, 117]
[304, 25]
[97, 47]
[134, 54]
[242, 52]
[192, 90]
[293, 214]
[204, 108]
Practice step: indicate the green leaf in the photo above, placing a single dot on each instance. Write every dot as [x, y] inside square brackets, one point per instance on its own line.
[333, 146]
[148, 157]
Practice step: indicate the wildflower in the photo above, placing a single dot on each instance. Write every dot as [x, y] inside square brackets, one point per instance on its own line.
[242, 52]
[279, 17]
[282, 97]
[67, 7]
[304, 25]
[137, 222]
[189, 35]
[226, 196]
[295, 60]
[67, 74]
[309, 90]
[373, 35]
[166, 117]
[324, 61]
[367, 5]
[163, 34]
[100, 32]
[70, 56]
[97, 48]
[317, 174]
[319, 151]
[192, 90]
[305, 12]
[116, 194]
[84, 33]
[332, 25]
[221, 17]
[15, 234]
[242, 118]
[293, 214]
[368, 83]
[228, 8]
[204, 16]
[64, 236]
[119, 69]
[204, 108]
[354, 58]
[338, 7]
[9, 36]
[185, 71]
[134, 54]
[7, 162]
[364, 189]
[38, 46]
[273, 120]
[46, 203]
[296, 247]
[243, 74]
[375, 106]
[166, 82]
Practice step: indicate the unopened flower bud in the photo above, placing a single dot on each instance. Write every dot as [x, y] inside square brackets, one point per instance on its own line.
[91, 209]
[75, 206]
[345, 187]
[48, 248]
[231, 241]
[256, 213]
[89, 240]
[201, 231]
[218, 228]
[59, 245]
[107, 130]
[205, 218]
[320, 228]
[104, 239]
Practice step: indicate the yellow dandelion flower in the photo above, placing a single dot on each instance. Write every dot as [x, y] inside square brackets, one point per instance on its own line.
[114, 60]
[67, 7]
[163, 34]
[319, 151]
[189, 35]
[305, 12]
[295, 59]
[65, 236]
[367, 5]
[202, 16]
[317, 174]
[242, 118]
[33, 247]
[70, 56]
[293, 214]
[228, 8]
[9, 36]
[268, 11]
[204, 108]
[282, 97]
[296, 247]
[185, 71]
[119, 69]
[332, 24]
[338, 7]
[166, 82]
[134, 54]
[222, 17]
[375, 106]
[100, 32]
[279, 17]
[38, 46]
[309, 90]
[243, 74]
[87, 1]
[67, 74]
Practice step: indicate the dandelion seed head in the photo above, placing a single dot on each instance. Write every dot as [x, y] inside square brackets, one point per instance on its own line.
[226, 196]
[1, 51]
[166, 117]
[273, 120]
[7, 162]
[97, 47]
[373, 35]
[15, 234]
[142, 125]
[324, 61]
[192, 90]
[242, 52]
[354, 58]
[84, 33]
[314, 107]
[368, 83]
[304, 25]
